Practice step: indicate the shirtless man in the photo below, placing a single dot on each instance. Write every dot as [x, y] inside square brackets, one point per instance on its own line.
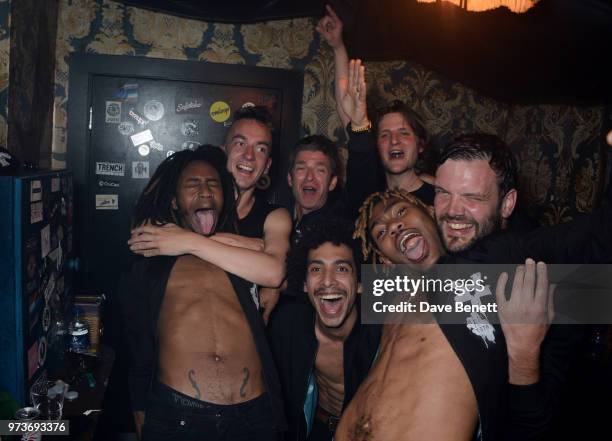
[200, 366]
[322, 350]
[398, 229]
[457, 379]
[263, 229]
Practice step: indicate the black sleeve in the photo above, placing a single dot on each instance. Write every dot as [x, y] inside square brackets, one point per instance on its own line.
[532, 407]
[363, 171]
[140, 337]
[586, 239]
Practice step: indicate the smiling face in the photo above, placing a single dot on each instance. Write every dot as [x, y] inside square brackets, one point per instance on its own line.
[248, 146]
[467, 202]
[398, 146]
[405, 234]
[311, 180]
[199, 197]
[331, 284]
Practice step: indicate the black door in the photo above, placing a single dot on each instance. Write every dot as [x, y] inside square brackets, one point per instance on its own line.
[126, 114]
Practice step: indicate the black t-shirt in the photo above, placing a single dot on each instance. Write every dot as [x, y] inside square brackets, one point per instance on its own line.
[425, 193]
[252, 225]
[365, 174]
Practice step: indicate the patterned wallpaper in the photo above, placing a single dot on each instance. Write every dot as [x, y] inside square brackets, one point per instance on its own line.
[31, 77]
[557, 146]
[5, 12]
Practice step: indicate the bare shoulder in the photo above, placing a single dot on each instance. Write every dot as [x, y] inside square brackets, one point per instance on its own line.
[278, 221]
[427, 178]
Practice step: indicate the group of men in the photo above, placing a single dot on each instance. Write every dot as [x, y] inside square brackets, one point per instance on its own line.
[221, 348]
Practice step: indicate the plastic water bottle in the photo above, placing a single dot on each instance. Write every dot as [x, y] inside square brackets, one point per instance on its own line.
[78, 332]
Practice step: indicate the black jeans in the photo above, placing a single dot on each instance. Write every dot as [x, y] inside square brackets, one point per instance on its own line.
[172, 415]
[320, 431]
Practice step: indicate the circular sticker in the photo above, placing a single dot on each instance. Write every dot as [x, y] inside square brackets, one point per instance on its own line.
[126, 128]
[219, 111]
[169, 153]
[42, 350]
[248, 104]
[190, 127]
[153, 110]
[46, 319]
[113, 108]
[189, 145]
[144, 150]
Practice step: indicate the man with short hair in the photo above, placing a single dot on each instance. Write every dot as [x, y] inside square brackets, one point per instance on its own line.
[475, 190]
[475, 193]
[313, 178]
[393, 143]
[200, 366]
[323, 351]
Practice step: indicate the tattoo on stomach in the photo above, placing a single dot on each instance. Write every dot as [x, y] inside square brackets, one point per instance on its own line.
[247, 375]
[194, 384]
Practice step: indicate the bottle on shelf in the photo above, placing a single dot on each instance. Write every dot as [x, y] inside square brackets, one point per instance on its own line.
[78, 332]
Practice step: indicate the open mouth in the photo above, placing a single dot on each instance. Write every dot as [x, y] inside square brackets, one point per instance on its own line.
[206, 218]
[413, 246]
[396, 154]
[330, 304]
[244, 168]
[459, 228]
[309, 190]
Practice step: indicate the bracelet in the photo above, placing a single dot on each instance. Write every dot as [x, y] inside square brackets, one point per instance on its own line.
[360, 129]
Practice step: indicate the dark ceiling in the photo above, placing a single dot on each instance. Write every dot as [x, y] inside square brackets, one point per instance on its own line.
[557, 52]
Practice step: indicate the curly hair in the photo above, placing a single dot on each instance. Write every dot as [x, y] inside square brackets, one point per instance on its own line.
[362, 229]
[334, 230]
[155, 202]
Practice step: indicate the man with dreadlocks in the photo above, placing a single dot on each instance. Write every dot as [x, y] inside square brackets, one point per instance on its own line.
[262, 228]
[395, 228]
[431, 381]
[200, 366]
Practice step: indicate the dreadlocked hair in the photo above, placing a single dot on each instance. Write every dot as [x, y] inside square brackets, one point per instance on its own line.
[334, 230]
[362, 230]
[155, 202]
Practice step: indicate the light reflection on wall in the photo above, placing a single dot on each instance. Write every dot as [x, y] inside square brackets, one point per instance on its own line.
[483, 5]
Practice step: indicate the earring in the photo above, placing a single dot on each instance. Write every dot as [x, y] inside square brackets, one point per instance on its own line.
[263, 182]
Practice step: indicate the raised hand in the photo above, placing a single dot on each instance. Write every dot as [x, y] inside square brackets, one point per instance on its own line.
[525, 318]
[353, 99]
[330, 28]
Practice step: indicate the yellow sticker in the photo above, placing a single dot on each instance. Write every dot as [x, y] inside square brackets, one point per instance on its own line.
[220, 111]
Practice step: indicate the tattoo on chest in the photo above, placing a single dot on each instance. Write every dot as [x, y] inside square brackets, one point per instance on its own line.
[194, 384]
[247, 375]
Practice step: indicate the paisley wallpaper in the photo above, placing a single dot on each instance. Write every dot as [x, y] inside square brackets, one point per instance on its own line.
[558, 146]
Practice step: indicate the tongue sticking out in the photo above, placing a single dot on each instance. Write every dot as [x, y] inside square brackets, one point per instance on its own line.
[415, 248]
[206, 218]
